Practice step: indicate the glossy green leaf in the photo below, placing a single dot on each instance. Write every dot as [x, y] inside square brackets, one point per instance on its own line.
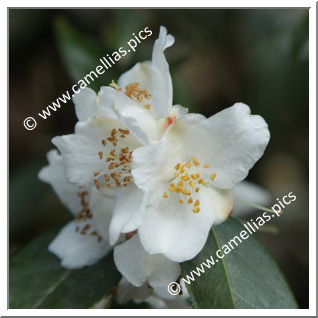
[36, 279]
[247, 277]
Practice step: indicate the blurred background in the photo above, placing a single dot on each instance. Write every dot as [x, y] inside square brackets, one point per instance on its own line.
[220, 56]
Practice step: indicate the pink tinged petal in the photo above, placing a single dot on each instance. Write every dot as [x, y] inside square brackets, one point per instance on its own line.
[230, 141]
[162, 84]
[138, 267]
[128, 212]
[54, 174]
[174, 230]
[76, 250]
[101, 207]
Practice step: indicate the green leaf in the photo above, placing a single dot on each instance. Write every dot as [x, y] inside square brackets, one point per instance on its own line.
[80, 54]
[36, 279]
[25, 194]
[247, 277]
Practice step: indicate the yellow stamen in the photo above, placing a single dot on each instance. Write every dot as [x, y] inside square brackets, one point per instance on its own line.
[190, 201]
[206, 166]
[181, 201]
[185, 178]
[212, 176]
[196, 210]
[197, 203]
[165, 195]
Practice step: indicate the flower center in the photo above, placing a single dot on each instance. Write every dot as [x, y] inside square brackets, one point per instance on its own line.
[134, 91]
[117, 156]
[189, 178]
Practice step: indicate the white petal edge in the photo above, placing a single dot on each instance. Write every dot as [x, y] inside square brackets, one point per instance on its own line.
[138, 267]
[76, 250]
[161, 79]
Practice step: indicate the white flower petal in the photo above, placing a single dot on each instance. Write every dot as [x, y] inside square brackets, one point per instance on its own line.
[86, 104]
[128, 211]
[154, 165]
[101, 208]
[54, 174]
[162, 84]
[111, 98]
[138, 267]
[230, 141]
[175, 231]
[80, 151]
[140, 73]
[139, 122]
[76, 250]
[127, 292]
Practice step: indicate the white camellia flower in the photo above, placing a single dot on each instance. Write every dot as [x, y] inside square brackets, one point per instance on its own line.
[112, 125]
[189, 178]
[82, 241]
[140, 267]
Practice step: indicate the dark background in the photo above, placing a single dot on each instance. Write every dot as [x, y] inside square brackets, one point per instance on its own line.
[221, 56]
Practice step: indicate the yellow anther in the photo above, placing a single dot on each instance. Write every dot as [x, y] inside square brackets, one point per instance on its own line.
[197, 189]
[192, 184]
[176, 175]
[196, 210]
[148, 106]
[165, 195]
[182, 170]
[206, 166]
[178, 190]
[186, 192]
[195, 176]
[124, 131]
[181, 184]
[197, 203]
[177, 166]
[172, 187]
[190, 201]
[195, 161]
[201, 181]
[188, 164]
[96, 183]
[212, 176]
[185, 178]
[181, 201]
